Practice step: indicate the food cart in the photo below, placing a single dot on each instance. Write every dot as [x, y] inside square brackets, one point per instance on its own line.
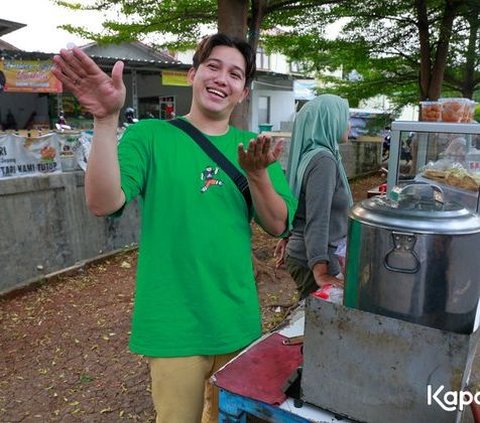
[401, 346]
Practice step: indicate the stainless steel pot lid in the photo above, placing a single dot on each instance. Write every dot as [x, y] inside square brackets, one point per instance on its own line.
[417, 208]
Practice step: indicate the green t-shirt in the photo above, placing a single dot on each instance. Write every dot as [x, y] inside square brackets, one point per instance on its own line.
[195, 292]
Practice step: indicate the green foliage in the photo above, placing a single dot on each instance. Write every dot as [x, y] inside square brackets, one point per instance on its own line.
[379, 39]
[179, 23]
[476, 115]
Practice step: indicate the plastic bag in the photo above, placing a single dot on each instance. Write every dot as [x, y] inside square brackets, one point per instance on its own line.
[83, 150]
[331, 293]
[341, 253]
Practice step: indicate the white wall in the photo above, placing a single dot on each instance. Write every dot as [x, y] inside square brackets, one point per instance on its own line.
[282, 107]
[279, 63]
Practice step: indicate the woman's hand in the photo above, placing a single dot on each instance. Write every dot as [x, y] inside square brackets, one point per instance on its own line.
[327, 279]
[103, 96]
[279, 253]
[322, 278]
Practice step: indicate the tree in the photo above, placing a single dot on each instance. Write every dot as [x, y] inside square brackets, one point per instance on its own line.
[407, 50]
[463, 71]
[181, 23]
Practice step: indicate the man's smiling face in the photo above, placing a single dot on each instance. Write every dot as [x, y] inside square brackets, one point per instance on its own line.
[219, 82]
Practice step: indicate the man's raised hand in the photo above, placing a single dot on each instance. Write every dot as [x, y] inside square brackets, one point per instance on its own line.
[100, 94]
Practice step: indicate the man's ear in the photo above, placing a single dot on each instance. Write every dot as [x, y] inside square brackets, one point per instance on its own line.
[191, 75]
[244, 95]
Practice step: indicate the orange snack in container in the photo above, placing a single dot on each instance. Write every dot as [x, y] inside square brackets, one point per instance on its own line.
[431, 111]
[469, 112]
[453, 109]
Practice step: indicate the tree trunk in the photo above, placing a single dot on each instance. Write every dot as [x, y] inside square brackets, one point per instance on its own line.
[232, 17]
[255, 23]
[232, 20]
[468, 86]
[240, 114]
[239, 117]
[438, 71]
[432, 72]
[424, 38]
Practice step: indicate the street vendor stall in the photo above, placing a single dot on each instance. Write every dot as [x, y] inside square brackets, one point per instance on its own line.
[400, 345]
[409, 324]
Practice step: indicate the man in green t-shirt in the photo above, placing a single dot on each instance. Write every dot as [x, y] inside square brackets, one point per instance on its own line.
[196, 303]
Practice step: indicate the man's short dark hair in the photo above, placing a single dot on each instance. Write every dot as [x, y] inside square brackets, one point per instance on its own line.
[206, 46]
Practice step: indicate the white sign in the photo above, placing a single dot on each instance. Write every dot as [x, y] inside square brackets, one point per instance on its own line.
[20, 156]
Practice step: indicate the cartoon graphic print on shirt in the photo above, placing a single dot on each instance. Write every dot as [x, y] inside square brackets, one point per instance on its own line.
[208, 176]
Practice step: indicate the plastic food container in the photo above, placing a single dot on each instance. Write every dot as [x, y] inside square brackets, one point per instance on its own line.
[431, 111]
[473, 161]
[469, 112]
[453, 109]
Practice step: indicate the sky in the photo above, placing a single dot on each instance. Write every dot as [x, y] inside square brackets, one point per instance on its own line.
[42, 18]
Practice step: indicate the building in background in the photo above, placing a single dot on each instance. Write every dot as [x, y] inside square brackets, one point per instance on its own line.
[156, 83]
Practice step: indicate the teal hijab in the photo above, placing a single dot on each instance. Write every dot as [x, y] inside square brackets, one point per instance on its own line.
[319, 125]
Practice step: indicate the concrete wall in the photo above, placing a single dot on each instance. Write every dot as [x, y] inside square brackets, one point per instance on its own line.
[358, 157]
[361, 157]
[45, 227]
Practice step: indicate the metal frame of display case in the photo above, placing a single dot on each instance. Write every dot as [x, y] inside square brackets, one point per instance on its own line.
[422, 130]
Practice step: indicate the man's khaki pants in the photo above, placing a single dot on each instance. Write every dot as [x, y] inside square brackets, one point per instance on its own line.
[181, 391]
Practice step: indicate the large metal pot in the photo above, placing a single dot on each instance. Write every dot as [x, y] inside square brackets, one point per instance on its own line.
[416, 259]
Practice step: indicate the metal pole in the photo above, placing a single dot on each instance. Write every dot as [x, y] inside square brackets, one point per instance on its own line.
[134, 92]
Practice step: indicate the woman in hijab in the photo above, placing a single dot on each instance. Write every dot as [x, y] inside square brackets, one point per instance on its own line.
[318, 179]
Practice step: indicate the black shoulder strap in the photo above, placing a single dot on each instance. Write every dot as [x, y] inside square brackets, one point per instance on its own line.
[219, 158]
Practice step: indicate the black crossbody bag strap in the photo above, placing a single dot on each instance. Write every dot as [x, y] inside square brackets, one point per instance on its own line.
[217, 156]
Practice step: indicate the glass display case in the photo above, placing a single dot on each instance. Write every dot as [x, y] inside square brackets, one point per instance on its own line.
[444, 154]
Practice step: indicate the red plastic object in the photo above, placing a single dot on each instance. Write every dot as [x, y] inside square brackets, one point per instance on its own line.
[262, 371]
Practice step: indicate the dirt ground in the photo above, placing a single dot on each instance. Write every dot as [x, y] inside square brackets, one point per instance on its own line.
[63, 344]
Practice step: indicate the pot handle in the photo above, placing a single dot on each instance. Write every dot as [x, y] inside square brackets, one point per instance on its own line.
[436, 193]
[402, 258]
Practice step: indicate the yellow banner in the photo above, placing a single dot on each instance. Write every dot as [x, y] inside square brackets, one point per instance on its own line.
[175, 78]
[29, 76]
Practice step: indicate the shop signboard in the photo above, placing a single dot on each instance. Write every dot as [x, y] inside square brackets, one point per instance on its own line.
[176, 78]
[28, 76]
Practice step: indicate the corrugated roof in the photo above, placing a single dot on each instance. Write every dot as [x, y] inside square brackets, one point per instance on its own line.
[24, 55]
[136, 51]
[7, 46]
[9, 26]
[150, 66]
